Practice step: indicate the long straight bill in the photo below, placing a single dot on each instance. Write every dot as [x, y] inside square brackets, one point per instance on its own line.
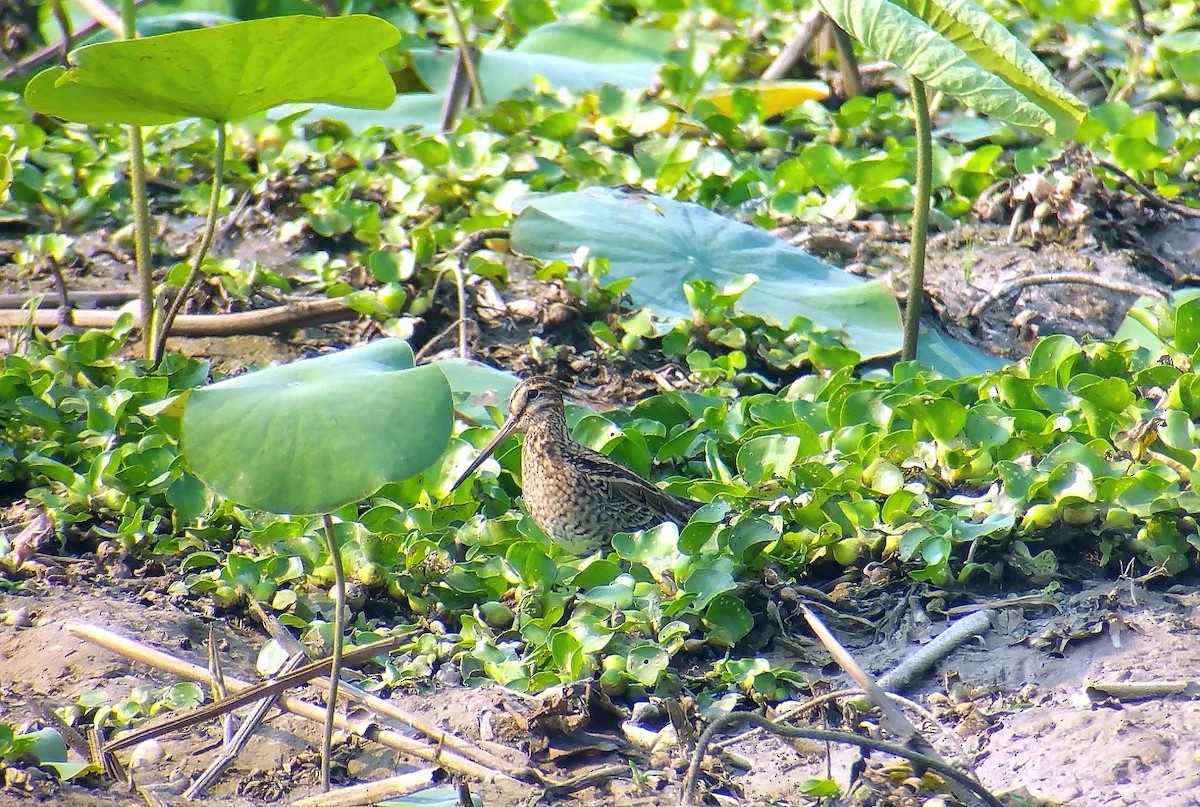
[505, 431]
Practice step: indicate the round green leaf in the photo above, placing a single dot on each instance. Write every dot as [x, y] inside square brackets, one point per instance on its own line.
[186, 495]
[222, 73]
[478, 386]
[314, 435]
[5, 176]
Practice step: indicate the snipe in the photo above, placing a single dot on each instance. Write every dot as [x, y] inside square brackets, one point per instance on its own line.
[579, 497]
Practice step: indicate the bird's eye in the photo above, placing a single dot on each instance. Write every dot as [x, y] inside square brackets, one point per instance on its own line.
[533, 393]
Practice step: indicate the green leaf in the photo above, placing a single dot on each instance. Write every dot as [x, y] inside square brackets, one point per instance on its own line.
[657, 549]
[599, 41]
[186, 495]
[661, 244]
[223, 73]
[728, 620]
[771, 455]
[477, 386]
[950, 357]
[646, 662]
[46, 744]
[313, 435]
[70, 770]
[617, 595]
[432, 797]
[706, 584]
[820, 788]
[505, 73]
[956, 46]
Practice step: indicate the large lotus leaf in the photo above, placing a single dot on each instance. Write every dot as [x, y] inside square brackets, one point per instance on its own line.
[222, 73]
[477, 386]
[957, 47]
[661, 244]
[505, 73]
[316, 434]
[951, 358]
[420, 109]
[502, 73]
[599, 41]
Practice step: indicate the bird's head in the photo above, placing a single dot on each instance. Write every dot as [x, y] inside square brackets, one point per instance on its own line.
[537, 397]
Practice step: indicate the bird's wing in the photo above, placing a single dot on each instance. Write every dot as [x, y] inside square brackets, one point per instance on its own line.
[640, 493]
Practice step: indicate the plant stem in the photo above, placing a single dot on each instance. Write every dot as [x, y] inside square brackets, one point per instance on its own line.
[210, 229]
[920, 222]
[339, 627]
[464, 53]
[141, 206]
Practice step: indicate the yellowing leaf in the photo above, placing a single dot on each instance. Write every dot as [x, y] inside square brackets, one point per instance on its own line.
[778, 96]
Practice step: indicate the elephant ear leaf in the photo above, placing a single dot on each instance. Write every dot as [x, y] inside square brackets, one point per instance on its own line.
[957, 47]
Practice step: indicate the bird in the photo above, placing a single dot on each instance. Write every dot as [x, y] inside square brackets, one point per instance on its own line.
[579, 497]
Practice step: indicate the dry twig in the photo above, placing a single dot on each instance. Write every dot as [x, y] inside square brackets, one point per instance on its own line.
[237, 742]
[242, 695]
[447, 758]
[372, 792]
[811, 24]
[263, 320]
[900, 678]
[1051, 278]
[734, 719]
[1151, 196]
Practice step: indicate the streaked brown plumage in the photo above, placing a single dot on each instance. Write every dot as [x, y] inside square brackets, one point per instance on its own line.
[579, 497]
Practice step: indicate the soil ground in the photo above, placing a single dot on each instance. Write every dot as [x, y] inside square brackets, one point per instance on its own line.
[1015, 701]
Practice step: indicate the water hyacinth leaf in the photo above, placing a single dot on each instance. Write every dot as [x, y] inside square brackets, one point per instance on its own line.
[529, 561]
[751, 534]
[646, 662]
[706, 584]
[316, 434]
[768, 456]
[1111, 394]
[598, 573]
[657, 549]
[957, 47]
[661, 244]
[988, 425]
[617, 595]
[728, 620]
[46, 744]
[222, 73]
